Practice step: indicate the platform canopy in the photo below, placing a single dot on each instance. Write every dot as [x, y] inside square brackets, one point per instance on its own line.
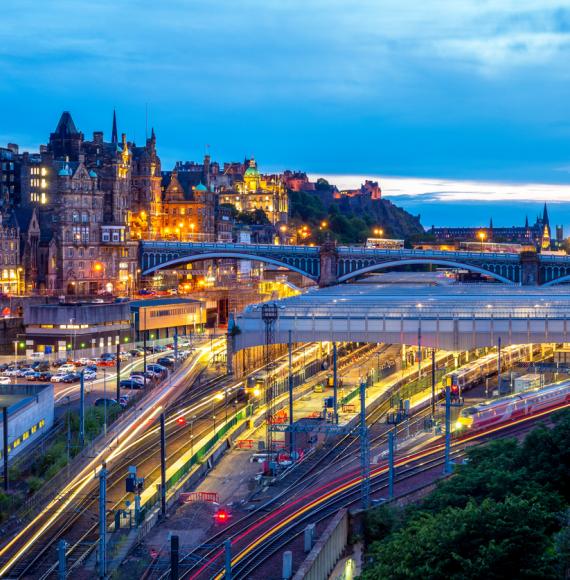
[451, 317]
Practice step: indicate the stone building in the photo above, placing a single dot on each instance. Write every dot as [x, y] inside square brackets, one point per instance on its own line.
[11, 272]
[82, 206]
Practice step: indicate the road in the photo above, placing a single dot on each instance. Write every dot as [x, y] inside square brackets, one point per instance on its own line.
[120, 440]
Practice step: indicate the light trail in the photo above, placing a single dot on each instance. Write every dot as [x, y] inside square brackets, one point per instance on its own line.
[350, 485]
[88, 473]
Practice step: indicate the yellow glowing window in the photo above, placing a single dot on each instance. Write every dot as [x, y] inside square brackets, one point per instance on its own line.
[41, 423]
[34, 429]
[16, 443]
[25, 435]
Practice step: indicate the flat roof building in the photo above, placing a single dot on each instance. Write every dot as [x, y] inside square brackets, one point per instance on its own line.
[63, 327]
[162, 317]
[30, 414]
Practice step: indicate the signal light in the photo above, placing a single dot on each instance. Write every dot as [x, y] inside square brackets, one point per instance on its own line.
[181, 421]
[221, 516]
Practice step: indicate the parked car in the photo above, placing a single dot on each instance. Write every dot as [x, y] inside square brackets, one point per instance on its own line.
[58, 377]
[91, 367]
[71, 378]
[140, 379]
[108, 356]
[44, 376]
[124, 400]
[32, 376]
[58, 362]
[124, 356]
[107, 402]
[89, 375]
[67, 368]
[130, 384]
[22, 372]
[135, 352]
[105, 363]
[149, 375]
[166, 361]
[157, 369]
[84, 361]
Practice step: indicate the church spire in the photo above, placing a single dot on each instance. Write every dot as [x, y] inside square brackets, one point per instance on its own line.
[545, 221]
[114, 134]
[526, 223]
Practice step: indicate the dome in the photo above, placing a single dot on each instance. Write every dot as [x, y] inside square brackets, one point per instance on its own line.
[251, 171]
[92, 174]
[65, 171]
[201, 187]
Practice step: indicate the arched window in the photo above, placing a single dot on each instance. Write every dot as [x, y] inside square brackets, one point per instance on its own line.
[75, 217]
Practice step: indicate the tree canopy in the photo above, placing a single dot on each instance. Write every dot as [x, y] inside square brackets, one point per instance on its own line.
[504, 514]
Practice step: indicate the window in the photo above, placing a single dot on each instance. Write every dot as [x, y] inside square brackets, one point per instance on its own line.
[70, 252]
[105, 236]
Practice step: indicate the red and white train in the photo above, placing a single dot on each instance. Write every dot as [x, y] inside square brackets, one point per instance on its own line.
[514, 407]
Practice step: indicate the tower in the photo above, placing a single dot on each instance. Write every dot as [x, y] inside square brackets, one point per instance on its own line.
[114, 134]
[545, 242]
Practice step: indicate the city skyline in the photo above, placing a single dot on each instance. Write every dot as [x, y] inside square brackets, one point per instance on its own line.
[441, 91]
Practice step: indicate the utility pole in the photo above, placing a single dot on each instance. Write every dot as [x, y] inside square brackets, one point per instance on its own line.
[5, 446]
[335, 385]
[447, 465]
[292, 431]
[174, 557]
[364, 450]
[499, 366]
[269, 315]
[82, 409]
[162, 467]
[228, 559]
[103, 521]
[118, 371]
[391, 464]
[176, 344]
[62, 571]
[433, 384]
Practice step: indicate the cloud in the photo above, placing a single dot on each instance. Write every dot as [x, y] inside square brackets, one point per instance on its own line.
[452, 191]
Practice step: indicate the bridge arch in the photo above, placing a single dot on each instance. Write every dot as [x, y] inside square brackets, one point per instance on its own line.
[437, 262]
[560, 280]
[172, 262]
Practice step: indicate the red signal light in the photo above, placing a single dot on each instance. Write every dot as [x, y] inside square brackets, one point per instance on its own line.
[181, 421]
[221, 516]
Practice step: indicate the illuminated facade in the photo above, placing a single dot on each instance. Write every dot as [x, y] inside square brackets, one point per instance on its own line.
[188, 211]
[93, 199]
[257, 191]
[11, 272]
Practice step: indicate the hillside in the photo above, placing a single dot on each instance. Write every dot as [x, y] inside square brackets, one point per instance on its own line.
[351, 219]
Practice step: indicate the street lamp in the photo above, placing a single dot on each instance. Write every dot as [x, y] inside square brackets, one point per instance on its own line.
[481, 236]
[378, 232]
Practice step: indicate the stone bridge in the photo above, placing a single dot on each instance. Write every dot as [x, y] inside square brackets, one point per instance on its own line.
[330, 264]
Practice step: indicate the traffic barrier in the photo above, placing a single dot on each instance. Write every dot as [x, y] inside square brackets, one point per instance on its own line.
[192, 496]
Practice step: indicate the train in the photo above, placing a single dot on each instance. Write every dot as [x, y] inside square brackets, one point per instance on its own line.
[512, 407]
[486, 366]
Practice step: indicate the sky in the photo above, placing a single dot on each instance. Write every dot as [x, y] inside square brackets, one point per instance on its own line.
[469, 91]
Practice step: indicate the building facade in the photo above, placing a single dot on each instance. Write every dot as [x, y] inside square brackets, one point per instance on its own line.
[81, 206]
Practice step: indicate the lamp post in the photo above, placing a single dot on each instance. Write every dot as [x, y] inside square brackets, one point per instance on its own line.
[378, 232]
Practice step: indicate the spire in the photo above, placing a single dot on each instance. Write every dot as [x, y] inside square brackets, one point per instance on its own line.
[545, 221]
[114, 134]
[491, 224]
[526, 222]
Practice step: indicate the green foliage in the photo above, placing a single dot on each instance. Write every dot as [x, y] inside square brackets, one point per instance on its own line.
[34, 483]
[256, 217]
[504, 514]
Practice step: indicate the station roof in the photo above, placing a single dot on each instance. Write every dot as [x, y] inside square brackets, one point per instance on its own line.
[161, 302]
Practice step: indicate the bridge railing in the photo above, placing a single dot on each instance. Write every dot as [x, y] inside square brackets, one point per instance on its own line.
[170, 246]
[359, 250]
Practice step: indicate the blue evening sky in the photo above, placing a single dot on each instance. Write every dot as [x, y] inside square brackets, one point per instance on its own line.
[465, 91]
